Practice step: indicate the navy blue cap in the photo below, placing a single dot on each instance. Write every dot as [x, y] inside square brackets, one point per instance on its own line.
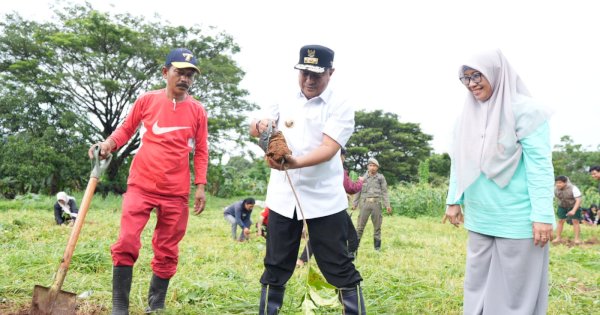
[315, 58]
[182, 58]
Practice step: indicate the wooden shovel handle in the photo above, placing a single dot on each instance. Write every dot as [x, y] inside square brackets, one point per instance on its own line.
[66, 260]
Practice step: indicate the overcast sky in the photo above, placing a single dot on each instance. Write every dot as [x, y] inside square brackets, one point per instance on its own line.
[402, 56]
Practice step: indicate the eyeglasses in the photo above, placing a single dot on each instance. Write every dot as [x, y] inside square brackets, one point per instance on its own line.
[475, 77]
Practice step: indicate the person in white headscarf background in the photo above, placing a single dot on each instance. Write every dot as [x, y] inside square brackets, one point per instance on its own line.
[65, 209]
[502, 177]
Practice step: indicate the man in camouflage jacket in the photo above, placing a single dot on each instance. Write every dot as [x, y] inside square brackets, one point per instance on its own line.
[370, 198]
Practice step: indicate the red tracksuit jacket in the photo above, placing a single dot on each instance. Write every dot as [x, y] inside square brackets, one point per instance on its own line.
[170, 132]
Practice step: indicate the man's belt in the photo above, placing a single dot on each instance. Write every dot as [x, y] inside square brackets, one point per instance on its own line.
[372, 199]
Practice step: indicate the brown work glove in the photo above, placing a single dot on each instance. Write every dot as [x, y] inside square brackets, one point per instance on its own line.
[273, 143]
[277, 148]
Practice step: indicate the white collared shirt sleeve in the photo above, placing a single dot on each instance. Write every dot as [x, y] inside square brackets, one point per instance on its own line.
[267, 112]
[340, 125]
[270, 112]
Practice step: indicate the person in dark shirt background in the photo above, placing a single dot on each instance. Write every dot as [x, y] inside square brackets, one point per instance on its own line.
[239, 214]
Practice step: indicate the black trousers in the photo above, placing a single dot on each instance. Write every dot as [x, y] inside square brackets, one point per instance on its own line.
[328, 236]
[352, 241]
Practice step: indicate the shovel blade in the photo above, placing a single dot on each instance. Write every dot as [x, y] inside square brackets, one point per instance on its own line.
[64, 303]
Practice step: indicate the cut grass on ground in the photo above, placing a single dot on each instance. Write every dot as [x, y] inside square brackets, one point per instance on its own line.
[419, 270]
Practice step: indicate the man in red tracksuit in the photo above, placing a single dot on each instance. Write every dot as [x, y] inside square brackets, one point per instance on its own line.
[174, 125]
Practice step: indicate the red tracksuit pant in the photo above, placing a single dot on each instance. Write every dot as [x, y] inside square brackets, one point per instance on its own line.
[172, 216]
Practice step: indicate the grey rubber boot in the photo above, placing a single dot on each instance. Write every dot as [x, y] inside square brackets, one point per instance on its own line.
[157, 294]
[271, 299]
[352, 300]
[122, 276]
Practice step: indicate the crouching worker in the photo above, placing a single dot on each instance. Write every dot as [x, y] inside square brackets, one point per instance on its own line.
[239, 214]
[159, 178]
[65, 209]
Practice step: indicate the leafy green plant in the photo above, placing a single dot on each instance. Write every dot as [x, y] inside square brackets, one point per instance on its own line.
[415, 200]
[424, 172]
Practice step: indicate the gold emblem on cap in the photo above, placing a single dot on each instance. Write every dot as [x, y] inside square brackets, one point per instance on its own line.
[289, 123]
[187, 56]
[310, 58]
[311, 61]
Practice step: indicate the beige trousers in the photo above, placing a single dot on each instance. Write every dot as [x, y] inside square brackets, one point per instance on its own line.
[370, 207]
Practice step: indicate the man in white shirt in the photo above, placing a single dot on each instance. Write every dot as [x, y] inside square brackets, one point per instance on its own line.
[316, 123]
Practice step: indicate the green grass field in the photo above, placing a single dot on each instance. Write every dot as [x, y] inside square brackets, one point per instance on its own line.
[419, 270]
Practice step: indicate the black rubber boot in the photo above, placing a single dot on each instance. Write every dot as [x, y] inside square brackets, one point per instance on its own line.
[122, 276]
[377, 244]
[271, 299]
[157, 294]
[352, 300]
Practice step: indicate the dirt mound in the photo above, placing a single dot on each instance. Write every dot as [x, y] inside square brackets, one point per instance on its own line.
[570, 243]
[7, 308]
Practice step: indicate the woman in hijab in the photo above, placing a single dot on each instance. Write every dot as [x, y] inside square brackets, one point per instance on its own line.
[65, 209]
[502, 177]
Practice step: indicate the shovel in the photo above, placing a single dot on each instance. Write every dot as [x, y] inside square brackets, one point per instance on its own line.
[52, 300]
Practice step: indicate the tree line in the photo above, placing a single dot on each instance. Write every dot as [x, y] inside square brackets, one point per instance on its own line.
[69, 82]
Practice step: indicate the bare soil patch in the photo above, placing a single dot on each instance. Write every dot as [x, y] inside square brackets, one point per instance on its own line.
[586, 242]
[83, 308]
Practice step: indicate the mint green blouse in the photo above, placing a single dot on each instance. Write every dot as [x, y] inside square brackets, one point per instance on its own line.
[509, 212]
